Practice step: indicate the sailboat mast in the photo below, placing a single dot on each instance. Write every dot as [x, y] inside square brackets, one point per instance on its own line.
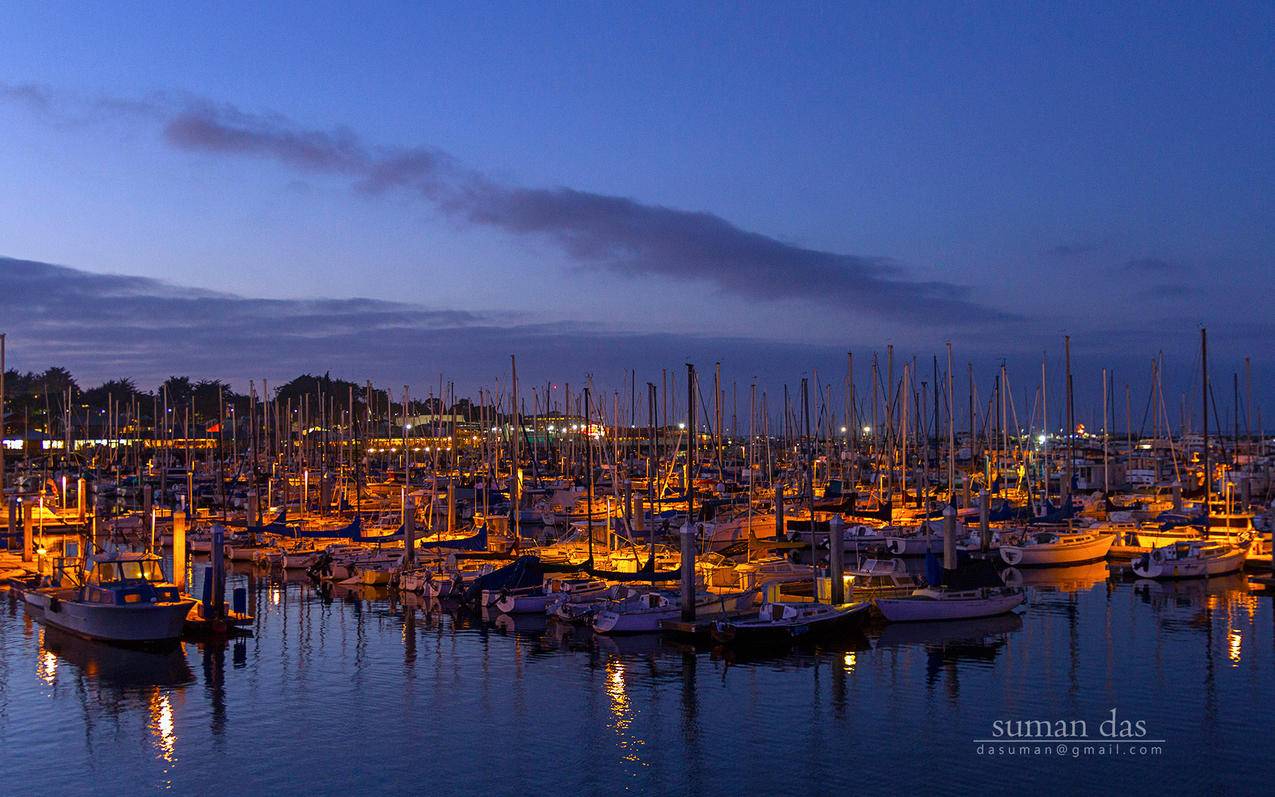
[1204, 401]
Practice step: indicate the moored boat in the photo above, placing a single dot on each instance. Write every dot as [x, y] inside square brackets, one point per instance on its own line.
[784, 622]
[942, 603]
[125, 599]
[1191, 559]
[1057, 548]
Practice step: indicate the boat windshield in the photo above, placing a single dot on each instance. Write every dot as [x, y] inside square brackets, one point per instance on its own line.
[132, 570]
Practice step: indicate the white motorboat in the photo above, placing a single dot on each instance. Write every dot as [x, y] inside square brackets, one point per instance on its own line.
[1191, 559]
[1057, 548]
[125, 599]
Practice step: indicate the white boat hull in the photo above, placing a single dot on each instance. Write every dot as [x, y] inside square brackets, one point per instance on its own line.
[1228, 563]
[914, 609]
[1058, 555]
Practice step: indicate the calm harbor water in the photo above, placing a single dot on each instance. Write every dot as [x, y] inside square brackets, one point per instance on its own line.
[341, 690]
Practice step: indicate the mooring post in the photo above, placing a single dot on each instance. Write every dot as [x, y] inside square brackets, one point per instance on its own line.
[217, 592]
[949, 537]
[1177, 496]
[984, 518]
[779, 510]
[409, 531]
[837, 595]
[81, 499]
[451, 505]
[688, 572]
[9, 540]
[179, 549]
[27, 531]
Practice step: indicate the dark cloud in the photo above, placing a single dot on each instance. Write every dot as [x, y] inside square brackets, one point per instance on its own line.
[613, 233]
[103, 326]
[226, 131]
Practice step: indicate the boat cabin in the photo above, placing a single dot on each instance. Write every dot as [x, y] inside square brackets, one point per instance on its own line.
[128, 578]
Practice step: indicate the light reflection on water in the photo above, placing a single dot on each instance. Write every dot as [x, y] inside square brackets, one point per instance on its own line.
[353, 689]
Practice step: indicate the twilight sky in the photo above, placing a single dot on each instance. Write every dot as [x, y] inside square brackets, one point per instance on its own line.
[394, 191]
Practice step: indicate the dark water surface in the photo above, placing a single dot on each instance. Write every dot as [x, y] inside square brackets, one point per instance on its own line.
[351, 691]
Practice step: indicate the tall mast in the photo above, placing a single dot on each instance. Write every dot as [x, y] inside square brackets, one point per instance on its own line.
[515, 482]
[588, 496]
[1204, 401]
[951, 433]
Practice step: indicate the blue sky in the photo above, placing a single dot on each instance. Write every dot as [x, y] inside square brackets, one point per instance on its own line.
[1099, 169]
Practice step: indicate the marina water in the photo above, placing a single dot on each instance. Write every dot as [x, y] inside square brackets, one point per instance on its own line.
[353, 691]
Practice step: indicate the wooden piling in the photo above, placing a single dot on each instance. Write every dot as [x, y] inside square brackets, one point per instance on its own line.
[984, 529]
[837, 594]
[949, 537]
[409, 530]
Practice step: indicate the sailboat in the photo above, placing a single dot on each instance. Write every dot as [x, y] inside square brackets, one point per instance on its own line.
[779, 621]
[1196, 558]
[946, 603]
[1058, 548]
[1191, 559]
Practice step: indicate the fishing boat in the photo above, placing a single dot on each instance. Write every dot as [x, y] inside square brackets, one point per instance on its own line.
[1191, 559]
[784, 622]
[1058, 548]
[943, 603]
[125, 599]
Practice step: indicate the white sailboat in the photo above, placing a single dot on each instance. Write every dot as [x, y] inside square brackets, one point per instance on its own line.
[1058, 548]
[939, 603]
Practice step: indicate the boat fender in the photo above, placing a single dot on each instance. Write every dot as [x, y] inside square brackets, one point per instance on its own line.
[55, 605]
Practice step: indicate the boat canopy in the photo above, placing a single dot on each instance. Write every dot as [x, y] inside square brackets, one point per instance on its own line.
[645, 573]
[350, 531]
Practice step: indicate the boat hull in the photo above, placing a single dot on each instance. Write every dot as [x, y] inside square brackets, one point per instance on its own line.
[900, 610]
[1058, 555]
[757, 632]
[156, 622]
[1232, 562]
